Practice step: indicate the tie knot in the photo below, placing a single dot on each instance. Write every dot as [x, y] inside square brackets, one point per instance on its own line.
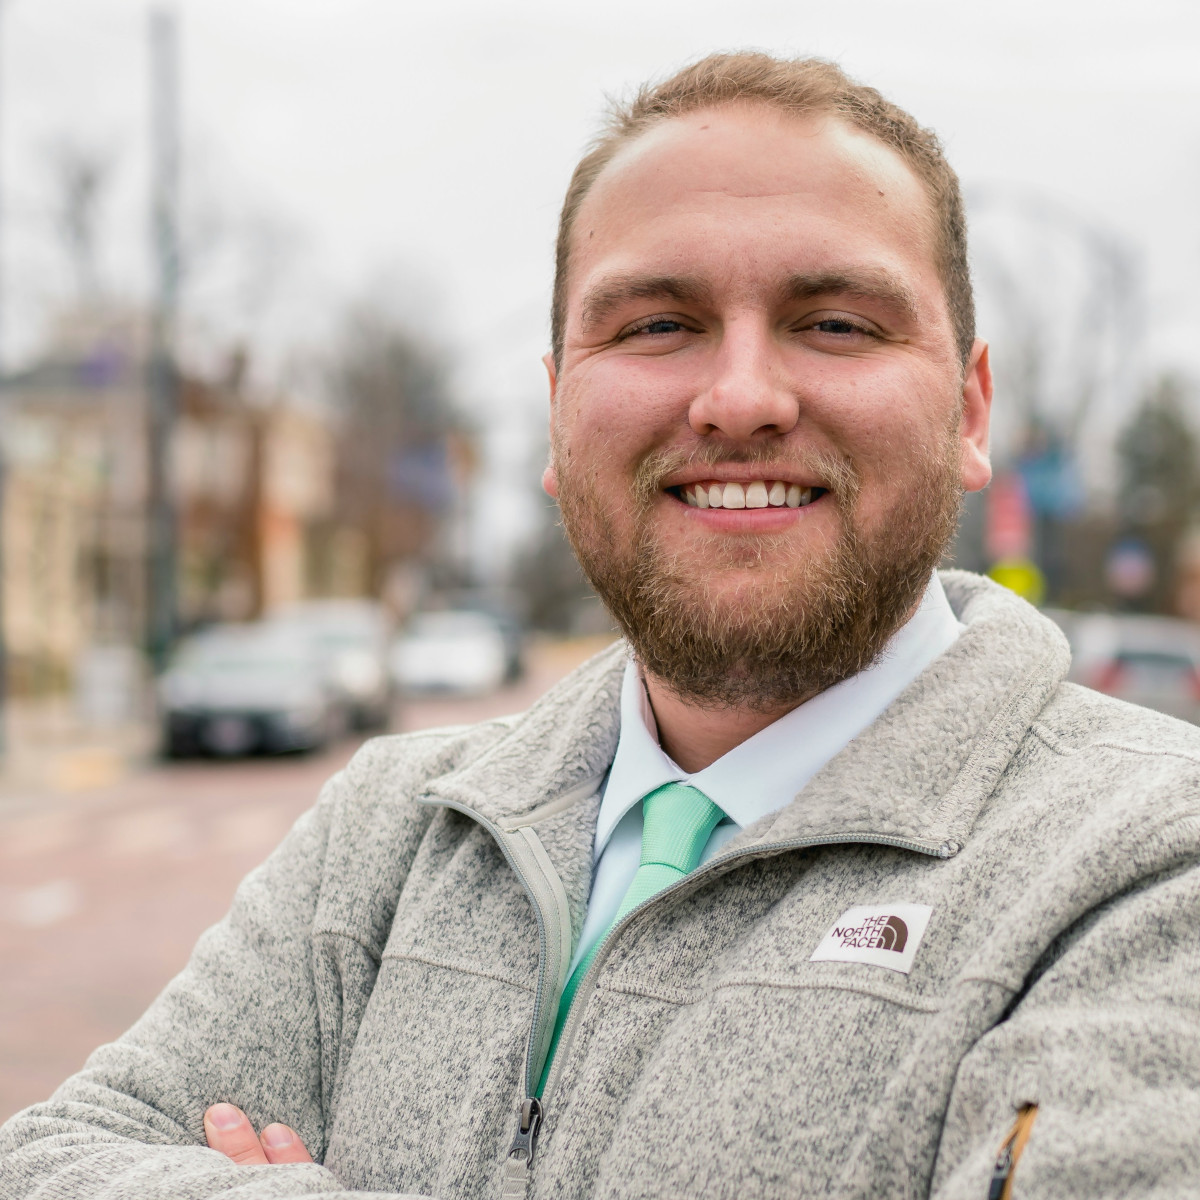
[676, 822]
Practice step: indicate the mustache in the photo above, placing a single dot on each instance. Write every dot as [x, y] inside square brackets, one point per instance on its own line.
[841, 478]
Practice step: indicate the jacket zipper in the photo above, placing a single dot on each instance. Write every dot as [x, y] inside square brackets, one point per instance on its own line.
[514, 1177]
[1001, 1184]
[519, 1159]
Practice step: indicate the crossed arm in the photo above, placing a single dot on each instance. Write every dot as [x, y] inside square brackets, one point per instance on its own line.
[1109, 1030]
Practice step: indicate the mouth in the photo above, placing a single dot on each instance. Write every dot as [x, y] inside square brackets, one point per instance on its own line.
[750, 493]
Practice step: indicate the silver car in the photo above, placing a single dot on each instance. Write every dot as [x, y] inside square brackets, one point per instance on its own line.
[352, 637]
[455, 652]
[242, 689]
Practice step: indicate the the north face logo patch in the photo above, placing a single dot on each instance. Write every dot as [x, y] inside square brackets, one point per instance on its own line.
[885, 935]
[884, 932]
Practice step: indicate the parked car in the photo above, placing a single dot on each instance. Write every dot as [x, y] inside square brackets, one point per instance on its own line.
[352, 636]
[510, 626]
[236, 690]
[1152, 661]
[459, 652]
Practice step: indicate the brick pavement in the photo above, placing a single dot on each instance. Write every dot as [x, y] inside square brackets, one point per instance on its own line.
[104, 891]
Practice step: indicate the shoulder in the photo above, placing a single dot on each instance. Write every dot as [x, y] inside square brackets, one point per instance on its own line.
[1078, 721]
[372, 814]
[391, 766]
[1116, 773]
[388, 770]
[371, 805]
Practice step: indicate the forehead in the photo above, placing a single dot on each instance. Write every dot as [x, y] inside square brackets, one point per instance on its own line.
[758, 190]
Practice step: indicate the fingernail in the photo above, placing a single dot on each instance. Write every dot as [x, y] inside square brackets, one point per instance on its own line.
[277, 1136]
[225, 1116]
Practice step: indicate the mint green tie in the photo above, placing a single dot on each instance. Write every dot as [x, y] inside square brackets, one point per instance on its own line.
[677, 820]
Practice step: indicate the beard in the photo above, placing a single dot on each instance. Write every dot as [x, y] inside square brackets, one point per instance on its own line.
[806, 618]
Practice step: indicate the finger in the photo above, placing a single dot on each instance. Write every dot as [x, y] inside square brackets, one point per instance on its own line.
[283, 1145]
[228, 1129]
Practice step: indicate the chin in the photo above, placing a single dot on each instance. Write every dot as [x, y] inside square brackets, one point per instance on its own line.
[766, 621]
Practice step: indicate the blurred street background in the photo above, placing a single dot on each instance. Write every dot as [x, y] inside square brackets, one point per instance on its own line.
[274, 278]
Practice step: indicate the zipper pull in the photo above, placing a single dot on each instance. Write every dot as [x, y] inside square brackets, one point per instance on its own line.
[1001, 1172]
[1000, 1187]
[515, 1176]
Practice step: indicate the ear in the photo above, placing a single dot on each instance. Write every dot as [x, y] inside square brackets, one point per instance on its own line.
[549, 475]
[976, 417]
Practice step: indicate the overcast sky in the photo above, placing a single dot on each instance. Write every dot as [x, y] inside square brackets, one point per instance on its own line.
[383, 145]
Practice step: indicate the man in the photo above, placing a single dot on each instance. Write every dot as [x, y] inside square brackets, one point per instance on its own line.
[832, 887]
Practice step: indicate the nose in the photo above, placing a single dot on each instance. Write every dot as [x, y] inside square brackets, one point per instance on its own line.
[747, 396]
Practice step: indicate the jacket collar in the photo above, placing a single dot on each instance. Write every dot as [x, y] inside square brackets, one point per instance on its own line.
[919, 773]
[922, 771]
[542, 781]
[556, 753]
[778, 761]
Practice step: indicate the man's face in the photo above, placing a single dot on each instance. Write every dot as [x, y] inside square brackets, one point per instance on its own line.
[760, 408]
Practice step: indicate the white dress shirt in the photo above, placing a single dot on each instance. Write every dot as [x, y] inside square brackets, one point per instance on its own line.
[763, 773]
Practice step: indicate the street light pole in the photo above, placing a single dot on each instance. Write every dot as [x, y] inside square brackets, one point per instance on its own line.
[163, 376]
[3, 478]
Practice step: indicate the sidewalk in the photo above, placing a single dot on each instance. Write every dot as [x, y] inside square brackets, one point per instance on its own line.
[48, 750]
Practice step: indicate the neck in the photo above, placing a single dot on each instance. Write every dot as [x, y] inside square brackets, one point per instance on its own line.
[696, 736]
[693, 736]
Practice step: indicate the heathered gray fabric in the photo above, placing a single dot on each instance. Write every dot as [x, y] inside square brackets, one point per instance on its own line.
[374, 982]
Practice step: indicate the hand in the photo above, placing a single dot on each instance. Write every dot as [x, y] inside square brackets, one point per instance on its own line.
[228, 1129]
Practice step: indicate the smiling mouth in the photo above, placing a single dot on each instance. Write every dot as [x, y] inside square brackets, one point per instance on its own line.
[755, 493]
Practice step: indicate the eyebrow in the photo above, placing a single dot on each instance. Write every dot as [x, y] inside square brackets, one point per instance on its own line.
[868, 285]
[872, 285]
[611, 293]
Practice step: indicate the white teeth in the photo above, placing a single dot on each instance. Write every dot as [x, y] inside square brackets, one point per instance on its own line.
[756, 495]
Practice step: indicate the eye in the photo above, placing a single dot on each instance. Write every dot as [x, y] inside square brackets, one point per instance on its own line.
[654, 326]
[841, 326]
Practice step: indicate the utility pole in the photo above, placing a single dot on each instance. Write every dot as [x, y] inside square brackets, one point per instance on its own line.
[3, 484]
[163, 374]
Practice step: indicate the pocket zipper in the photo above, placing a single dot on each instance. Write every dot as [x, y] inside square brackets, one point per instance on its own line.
[1010, 1152]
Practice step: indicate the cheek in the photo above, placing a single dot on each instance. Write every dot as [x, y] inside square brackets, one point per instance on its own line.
[890, 411]
[610, 416]
[892, 432]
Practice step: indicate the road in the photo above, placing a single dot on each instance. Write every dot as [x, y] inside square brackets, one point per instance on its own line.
[103, 892]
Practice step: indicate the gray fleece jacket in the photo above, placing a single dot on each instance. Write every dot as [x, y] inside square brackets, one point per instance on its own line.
[386, 981]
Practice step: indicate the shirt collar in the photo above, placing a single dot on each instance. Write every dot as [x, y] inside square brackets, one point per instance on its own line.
[765, 772]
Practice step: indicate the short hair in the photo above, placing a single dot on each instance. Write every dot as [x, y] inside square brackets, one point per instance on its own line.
[800, 87]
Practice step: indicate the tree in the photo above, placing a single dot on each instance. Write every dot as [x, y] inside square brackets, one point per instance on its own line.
[400, 453]
[545, 573]
[1159, 460]
[548, 577]
[80, 173]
